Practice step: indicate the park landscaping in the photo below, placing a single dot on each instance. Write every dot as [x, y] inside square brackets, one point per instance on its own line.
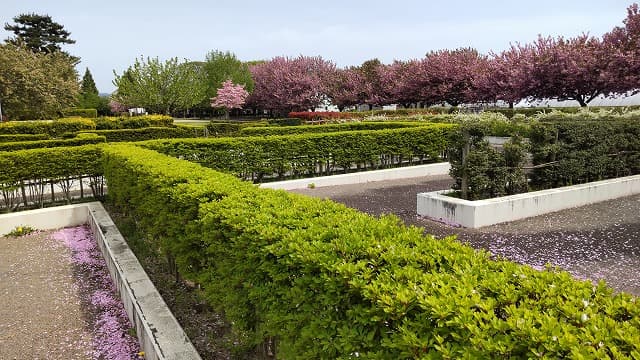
[311, 278]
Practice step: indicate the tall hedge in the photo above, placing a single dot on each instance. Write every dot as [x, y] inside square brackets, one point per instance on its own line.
[148, 133]
[258, 158]
[573, 152]
[326, 281]
[53, 128]
[306, 129]
[80, 139]
[22, 137]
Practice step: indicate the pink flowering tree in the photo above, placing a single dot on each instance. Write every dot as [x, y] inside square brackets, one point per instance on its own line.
[229, 96]
[286, 84]
[117, 107]
[622, 46]
[447, 76]
[570, 69]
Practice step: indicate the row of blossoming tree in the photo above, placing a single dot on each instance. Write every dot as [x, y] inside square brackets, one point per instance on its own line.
[579, 68]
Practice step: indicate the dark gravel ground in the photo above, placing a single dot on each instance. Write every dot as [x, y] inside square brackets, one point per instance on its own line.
[599, 241]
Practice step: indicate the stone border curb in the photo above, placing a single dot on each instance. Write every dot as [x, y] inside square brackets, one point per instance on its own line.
[362, 177]
[475, 214]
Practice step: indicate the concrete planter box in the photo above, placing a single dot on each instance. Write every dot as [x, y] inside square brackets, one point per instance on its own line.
[475, 214]
[362, 177]
[159, 333]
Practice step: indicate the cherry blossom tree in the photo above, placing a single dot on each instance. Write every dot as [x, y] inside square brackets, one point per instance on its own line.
[287, 84]
[447, 75]
[346, 88]
[622, 47]
[230, 96]
[505, 76]
[570, 69]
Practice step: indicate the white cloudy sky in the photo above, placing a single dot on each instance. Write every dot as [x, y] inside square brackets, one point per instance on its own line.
[111, 34]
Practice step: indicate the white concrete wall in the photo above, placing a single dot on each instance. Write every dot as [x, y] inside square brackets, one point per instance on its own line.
[475, 214]
[362, 177]
[159, 333]
[45, 219]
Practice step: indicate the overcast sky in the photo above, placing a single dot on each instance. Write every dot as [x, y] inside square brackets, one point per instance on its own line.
[111, 34]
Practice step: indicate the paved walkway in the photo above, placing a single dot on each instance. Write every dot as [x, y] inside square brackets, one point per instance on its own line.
[41, 314]
[599, 241]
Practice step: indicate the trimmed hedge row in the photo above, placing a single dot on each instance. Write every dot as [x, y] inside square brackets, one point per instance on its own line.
[79, 140]
[50, 163]
[22, 137]
[582, 151]
[529, 112]
[326, 281]
[133, 122]
[335, 115]
[231, 128]
[257, 158]
[147, 133]
[304, 129]
[53, 128]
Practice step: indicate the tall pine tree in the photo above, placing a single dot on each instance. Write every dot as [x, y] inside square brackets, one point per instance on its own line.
[39, 33]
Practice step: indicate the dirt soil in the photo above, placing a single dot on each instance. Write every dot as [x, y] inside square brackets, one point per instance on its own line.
[597, 242]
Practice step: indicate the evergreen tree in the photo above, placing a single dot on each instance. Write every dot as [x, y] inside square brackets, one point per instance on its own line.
[39, 33]
[88, 86]
[89, 97]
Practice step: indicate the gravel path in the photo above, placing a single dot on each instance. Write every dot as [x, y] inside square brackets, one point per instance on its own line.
[41, 311]
[599, 241]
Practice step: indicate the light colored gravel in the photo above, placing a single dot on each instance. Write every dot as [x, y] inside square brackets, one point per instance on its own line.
[40, 310]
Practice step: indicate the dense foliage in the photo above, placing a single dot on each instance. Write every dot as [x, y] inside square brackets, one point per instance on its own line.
[324, 281]
[55, 128]
[79, 140]
[36, 85]
[305, 129]
[305, 155]
[160, 87]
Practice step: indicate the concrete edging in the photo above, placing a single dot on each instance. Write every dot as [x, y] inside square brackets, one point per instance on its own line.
[159, 333]
[475, 214]
[362, 177]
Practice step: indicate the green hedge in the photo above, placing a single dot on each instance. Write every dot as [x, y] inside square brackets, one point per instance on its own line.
[304, 129]
[231, 128]
[325, 281]
[582, 151]
[81, 139]
[258, 158]
[530, 112]
[23, 137]
[53, 128]
[133, 122]
[149, 133]
[50, 163]
[83, 113]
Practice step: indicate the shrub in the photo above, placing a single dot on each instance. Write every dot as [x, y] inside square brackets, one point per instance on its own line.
[285, 122]
[54, 128]
[83, 113]
[260, 158]
[148, 133]
[573, 152]
[304, 129]
[134, 122]
[23, 137]
[81, 139]
[231, 128]
[325, 281]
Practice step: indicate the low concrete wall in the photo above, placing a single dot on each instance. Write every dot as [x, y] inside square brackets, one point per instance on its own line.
[475, 214]
[159, 333]
[362, 177]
